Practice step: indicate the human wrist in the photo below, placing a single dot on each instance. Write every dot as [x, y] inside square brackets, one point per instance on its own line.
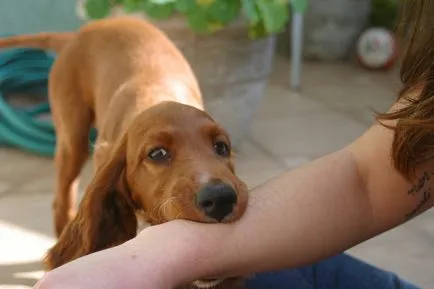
[178, 252]
[133, 270]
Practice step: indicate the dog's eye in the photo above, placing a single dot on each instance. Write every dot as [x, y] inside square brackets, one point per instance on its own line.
[159, 155]
[221, 148]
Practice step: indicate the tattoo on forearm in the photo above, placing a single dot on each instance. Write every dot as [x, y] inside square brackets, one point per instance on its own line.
[421, 190]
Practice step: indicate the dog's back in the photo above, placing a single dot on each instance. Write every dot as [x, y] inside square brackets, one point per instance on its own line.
[108, 54]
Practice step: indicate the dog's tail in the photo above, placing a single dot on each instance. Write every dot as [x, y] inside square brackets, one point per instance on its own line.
[48, 41]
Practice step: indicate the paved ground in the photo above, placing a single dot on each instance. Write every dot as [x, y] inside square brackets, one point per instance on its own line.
[333, 109]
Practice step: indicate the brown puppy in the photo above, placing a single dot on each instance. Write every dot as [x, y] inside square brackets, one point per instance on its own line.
[158, 154]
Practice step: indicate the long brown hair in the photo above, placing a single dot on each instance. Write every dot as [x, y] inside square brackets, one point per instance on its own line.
[414, 131]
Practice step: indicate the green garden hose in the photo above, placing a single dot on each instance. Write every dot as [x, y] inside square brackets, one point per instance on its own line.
[25, 71]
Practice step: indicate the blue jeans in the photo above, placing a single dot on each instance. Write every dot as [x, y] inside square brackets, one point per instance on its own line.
[339, 272]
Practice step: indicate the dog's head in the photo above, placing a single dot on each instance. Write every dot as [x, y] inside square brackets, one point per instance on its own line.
[173, 162]
[178, 164]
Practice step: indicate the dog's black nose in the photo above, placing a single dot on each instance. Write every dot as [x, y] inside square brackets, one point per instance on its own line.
[216, 200]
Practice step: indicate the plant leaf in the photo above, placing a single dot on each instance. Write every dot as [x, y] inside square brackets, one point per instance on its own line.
[162, 2]
[224, 11]
[198, 20]
[257, 30]
[185, 5]
[214, 26]
[130, 5]
[157, 11]
[250, 11]
[97, 8]
[206, 16]
[274, 13]
[206, 2]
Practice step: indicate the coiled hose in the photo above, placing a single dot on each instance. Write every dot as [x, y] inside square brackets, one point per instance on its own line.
[25, 71]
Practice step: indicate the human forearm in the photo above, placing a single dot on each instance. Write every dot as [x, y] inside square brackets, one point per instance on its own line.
[305, 215]
[312, 212]
[300, 217]
[291, 221]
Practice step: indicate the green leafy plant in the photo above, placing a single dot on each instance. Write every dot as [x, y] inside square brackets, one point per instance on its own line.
[264, 17]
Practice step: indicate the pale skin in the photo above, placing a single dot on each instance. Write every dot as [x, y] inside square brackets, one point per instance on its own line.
[301, 217]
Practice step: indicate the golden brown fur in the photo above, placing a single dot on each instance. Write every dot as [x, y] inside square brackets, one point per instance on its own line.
[126, 78]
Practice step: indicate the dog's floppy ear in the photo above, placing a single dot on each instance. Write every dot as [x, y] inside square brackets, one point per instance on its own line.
[105, 217]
